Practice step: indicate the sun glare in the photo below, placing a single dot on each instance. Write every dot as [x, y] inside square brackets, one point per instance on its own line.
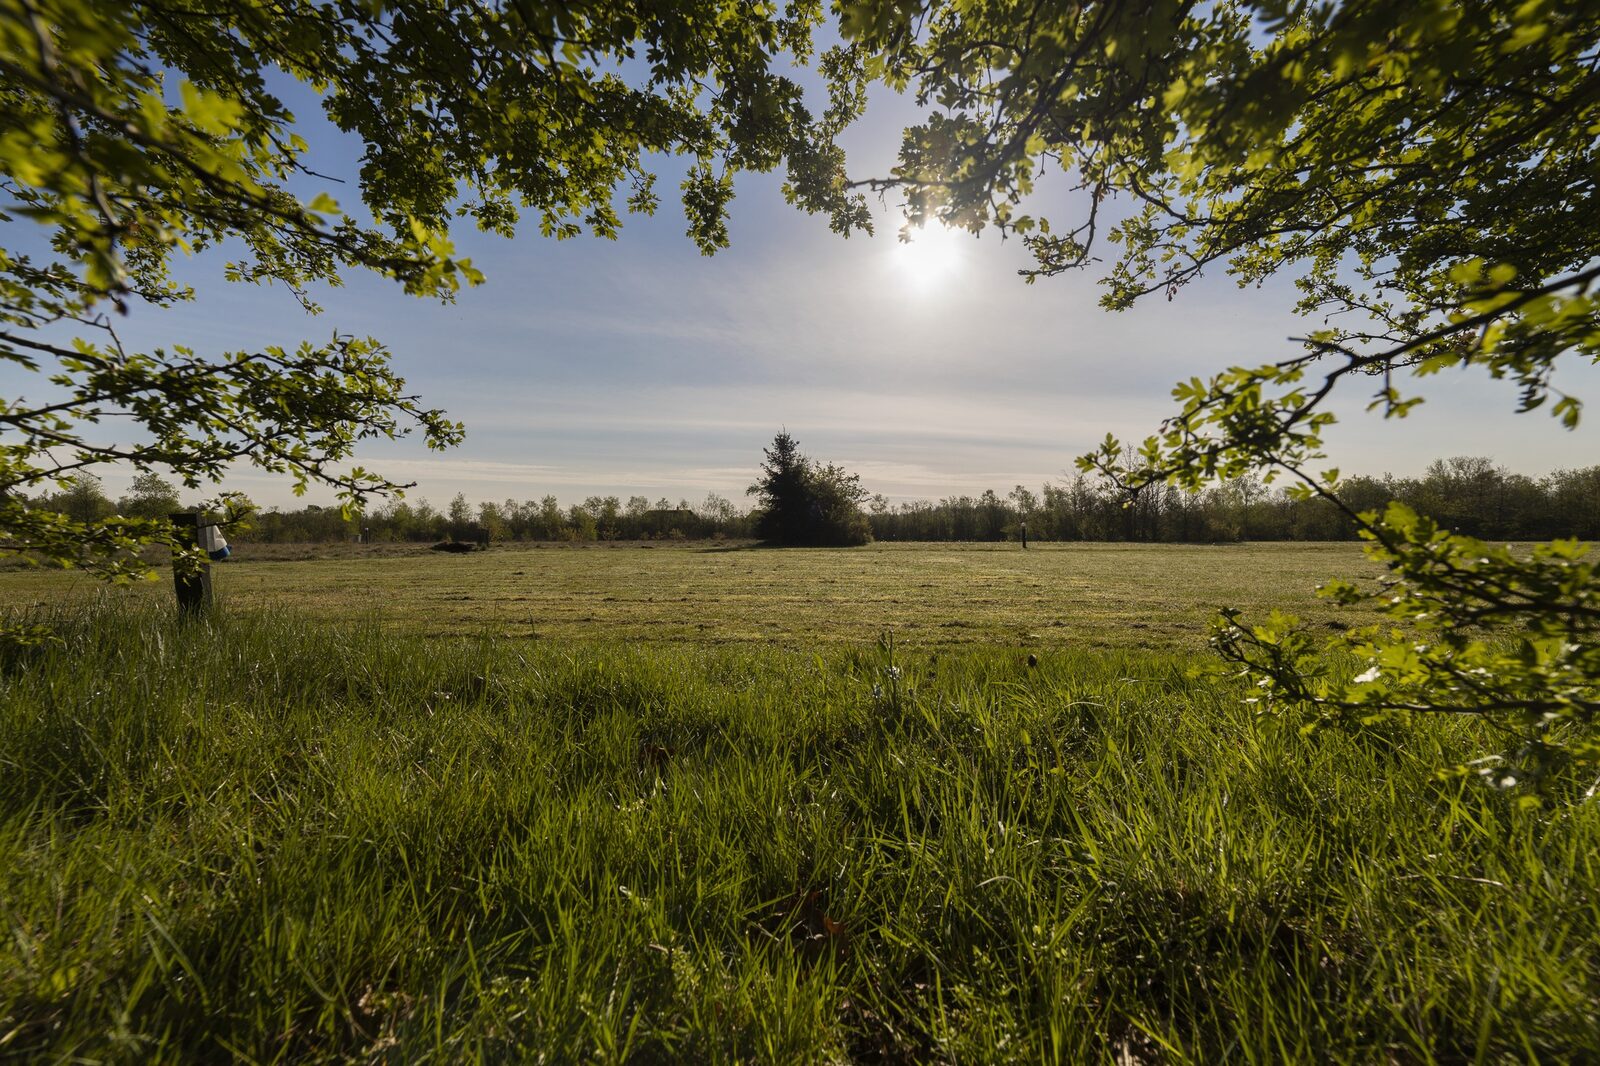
[932, 256]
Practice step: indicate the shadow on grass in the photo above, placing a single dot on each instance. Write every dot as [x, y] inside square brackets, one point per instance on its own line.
[761, 545]
[755, 546]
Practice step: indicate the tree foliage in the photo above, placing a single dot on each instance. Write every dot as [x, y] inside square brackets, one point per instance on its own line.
[1427, 173]
[150, 496]
[133, 132]
[803, 502]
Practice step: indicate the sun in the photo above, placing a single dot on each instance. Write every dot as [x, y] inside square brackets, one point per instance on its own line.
[931, 258]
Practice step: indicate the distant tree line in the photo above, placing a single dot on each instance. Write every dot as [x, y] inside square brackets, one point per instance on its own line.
[399, 520]
[546, 519]
[1466, 494]
[1469, 495]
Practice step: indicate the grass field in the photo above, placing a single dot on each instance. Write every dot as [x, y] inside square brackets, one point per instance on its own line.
[1088, 595]
[269, 837]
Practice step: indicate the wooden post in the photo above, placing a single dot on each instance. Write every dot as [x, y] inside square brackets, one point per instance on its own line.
[194, 588]
[1024, 536]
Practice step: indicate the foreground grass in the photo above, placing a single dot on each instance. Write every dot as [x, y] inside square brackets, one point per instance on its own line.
[273, 840]
[1159, 596]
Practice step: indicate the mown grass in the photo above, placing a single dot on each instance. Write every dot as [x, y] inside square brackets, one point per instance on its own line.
[273, 839]
[1160, 596]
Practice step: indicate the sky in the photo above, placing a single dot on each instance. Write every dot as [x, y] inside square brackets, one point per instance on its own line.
[639, 366]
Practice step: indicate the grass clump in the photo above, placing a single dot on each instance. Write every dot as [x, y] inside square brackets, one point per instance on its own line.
[271, 839]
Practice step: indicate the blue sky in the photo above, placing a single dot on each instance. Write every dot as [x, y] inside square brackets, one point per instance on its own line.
[639, 366]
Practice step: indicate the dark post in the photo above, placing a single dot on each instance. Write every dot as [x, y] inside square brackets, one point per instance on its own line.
[1024, 536]
[194, 587]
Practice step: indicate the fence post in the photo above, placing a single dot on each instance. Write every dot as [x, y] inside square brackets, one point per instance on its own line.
[193, 586]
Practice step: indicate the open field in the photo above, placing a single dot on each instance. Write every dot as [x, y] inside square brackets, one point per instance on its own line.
[709, 816]
[266, 839]
[1082, 595]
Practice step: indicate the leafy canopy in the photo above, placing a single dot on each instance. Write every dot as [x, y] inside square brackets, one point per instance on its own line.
[1425, 171]
[131, 132]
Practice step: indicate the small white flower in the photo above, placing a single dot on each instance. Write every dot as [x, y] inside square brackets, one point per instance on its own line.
[1369, 676]
[893, 672]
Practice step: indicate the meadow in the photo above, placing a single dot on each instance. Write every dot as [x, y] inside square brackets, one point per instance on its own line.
[1158, 596]
[391, 834]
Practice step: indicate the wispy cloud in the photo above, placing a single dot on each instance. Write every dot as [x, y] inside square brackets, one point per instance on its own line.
[638, 366]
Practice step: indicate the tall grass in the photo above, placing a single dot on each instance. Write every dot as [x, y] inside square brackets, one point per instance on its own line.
[270, 839]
